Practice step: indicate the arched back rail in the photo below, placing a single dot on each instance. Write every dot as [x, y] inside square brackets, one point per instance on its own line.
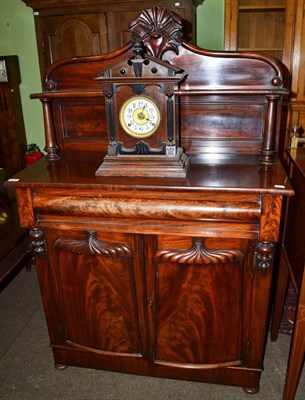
[228, 102]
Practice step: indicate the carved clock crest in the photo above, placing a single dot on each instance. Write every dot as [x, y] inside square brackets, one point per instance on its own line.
[142, 108]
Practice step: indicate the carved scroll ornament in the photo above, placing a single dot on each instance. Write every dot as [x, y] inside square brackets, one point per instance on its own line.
[199, 254]
[158, 29]
[93, 246]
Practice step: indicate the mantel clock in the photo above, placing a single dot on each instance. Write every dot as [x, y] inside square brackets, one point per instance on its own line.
[142, 117]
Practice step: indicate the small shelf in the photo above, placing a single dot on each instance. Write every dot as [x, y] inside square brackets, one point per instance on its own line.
[261, 49]
[260, 27]
[262, 8]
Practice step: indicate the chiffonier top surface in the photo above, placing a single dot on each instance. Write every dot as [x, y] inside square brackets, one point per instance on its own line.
[230, 174]
[228, 123]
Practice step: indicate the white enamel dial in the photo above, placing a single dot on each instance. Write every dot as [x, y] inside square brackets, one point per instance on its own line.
[139, 116]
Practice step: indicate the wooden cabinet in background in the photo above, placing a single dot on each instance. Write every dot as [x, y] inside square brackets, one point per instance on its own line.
[256, 25]
[77, 28]
[276, 27]
[297, 103]
[14, 252]
[12, 132]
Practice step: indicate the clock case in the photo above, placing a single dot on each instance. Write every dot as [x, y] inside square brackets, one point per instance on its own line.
[158, 155]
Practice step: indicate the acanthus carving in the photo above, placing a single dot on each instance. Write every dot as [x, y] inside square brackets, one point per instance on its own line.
[199, 254]
[158, 29]
[93, 246]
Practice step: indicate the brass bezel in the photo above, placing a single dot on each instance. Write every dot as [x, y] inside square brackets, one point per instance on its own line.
[124, 123]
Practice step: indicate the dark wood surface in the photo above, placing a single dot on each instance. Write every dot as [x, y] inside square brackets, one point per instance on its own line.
[157, 276]
[13, 248]
[202, 296]
[12, 131]
[292, 265]
[212, 172]
[77, 28]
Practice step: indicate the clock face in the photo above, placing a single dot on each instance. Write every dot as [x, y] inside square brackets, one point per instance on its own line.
[3, 73]
[139, 117]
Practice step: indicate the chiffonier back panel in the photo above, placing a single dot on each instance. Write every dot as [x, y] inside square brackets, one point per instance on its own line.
[228, 102]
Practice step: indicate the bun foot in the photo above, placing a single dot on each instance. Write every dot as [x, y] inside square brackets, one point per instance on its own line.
[251, 390]
[60, 366]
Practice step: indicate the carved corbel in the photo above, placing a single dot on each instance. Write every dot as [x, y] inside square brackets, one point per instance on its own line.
[264, 255]
[37, 242]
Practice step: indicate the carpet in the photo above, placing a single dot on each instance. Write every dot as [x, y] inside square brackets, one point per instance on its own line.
[288, 316]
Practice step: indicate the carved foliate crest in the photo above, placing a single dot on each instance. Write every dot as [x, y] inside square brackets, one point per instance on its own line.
[158, 29]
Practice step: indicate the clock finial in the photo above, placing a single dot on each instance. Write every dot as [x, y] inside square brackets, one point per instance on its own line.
[138, 60]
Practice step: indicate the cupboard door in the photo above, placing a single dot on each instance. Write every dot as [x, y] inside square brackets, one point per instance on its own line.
[118, 22]
[12, 134]
[96, 289]
[199, 291]
[258, 25]
[73, 35]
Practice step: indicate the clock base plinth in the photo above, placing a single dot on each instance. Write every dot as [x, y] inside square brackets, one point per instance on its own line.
[145, 166]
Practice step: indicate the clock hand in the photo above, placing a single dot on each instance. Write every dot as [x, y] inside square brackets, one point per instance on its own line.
[141, 113]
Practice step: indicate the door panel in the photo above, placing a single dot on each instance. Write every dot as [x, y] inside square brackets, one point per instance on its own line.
[96, 291]
[198, 298]
[74, 35]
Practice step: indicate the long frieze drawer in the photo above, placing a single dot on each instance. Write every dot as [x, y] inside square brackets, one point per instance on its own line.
[148, 208]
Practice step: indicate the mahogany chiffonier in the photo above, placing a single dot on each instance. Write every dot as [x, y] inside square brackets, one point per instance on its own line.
[144, 271]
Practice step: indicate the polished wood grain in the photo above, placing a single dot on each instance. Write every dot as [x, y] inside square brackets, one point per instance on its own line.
[72, 28]
[190, 329]
[14, 252]
[275, 27]
[14, 249]
[157, 275]
[210, 114]
[12, 132]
